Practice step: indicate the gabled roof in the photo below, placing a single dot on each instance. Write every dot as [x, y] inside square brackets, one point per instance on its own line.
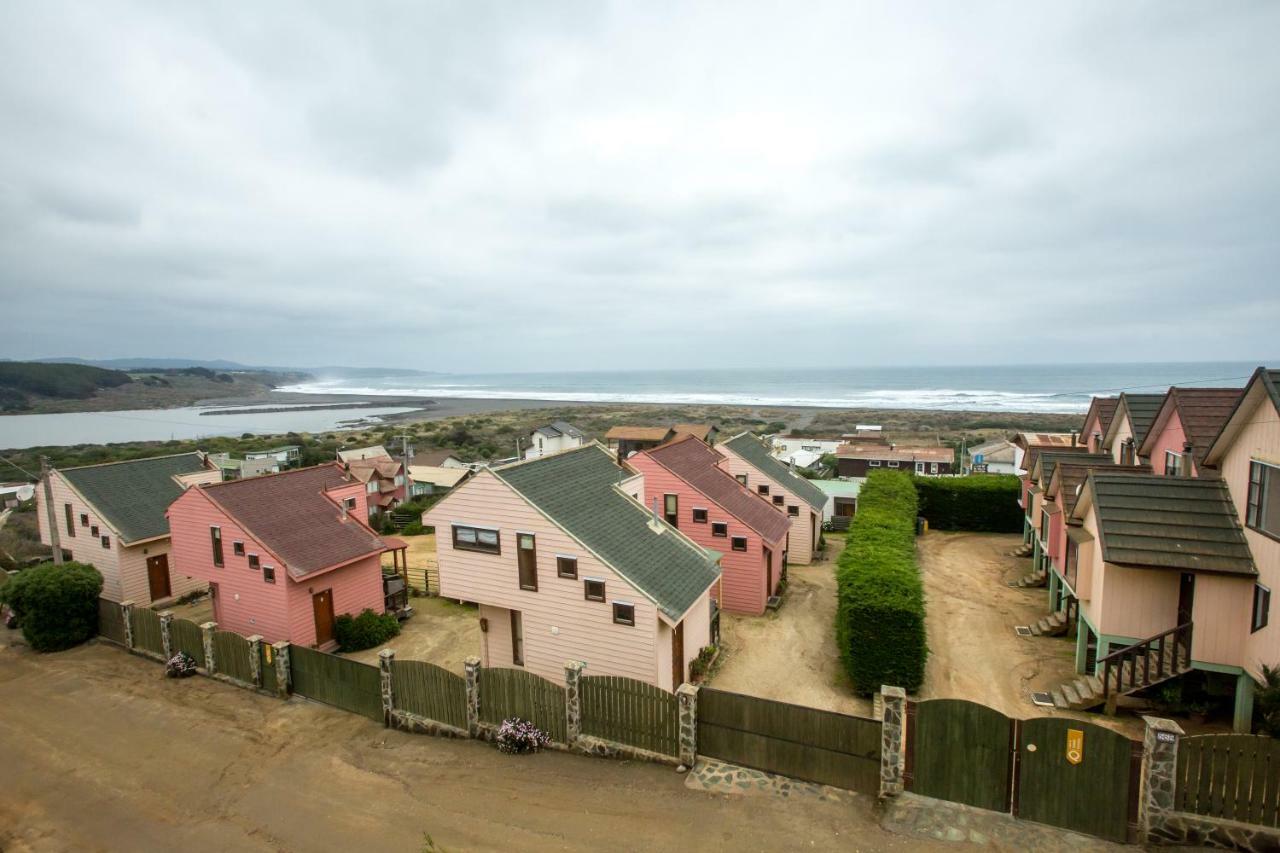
[578, 491]
[290, 514]
[365, 470]
[133, 496]
[1028, 440]
[555, 429]
[438, 475]
[1042, 468]
[434, 458]
[699, 431]
[1201, 411]
[358, 453]
[1070, 477]
[1032, 455]
[1140, 411]
[997, 450]
[1263, 388]
[755, 453]
[698, 465]
[1105, 409]
[1168, 523]
[637, 433]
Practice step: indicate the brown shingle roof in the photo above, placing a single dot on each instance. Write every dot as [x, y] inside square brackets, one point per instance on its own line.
[290, 514]
[1105, 409]
[698, 431]
[1034, 451]
[638, 433]
[899, 452]
[1071, 477]
[698, 465]
[434, 458]
[1202, 412]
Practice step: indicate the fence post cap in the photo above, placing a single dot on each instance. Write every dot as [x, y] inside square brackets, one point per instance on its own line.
[387, 654]
[472, 661]
[1161, 724]
[127, 603]
[892, 692]
[254, 638]
[209, 626]
[574, 665]
[166, 614]
[687, 691]
[280, 646]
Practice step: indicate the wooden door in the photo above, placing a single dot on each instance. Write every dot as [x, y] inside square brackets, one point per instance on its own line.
[322, 604]
[677, 656]
[960, 751]
[158, 576]
[1186, 597]
[768, 572]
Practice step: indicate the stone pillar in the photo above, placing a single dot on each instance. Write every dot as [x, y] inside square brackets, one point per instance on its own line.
[385, 659]
[282, 669]
[126, 611]
[893, 741]
[471, 666]
[687, 699]
[1159, 776]
[166, 638]
[255, 659]
[1242, 720]
[573, 700]
[210, 665]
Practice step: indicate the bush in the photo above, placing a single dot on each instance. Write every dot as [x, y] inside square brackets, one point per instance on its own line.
[880, 626]
[517, 736]
[57, 606]
[987, 502]
[365, 631]
[1266, 704]
[698, 666]
[413, 528]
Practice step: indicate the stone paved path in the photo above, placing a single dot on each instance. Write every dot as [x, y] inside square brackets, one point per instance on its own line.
[922, 817]
[720, 777]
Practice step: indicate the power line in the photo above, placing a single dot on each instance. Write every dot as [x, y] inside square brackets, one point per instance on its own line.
[19, 467]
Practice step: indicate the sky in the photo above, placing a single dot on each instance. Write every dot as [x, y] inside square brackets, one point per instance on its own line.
[549, 186]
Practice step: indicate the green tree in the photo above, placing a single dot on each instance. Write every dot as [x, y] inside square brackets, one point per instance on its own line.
[57, 606]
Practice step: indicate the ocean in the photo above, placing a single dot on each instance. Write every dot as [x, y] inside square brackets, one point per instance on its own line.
[1000, 388]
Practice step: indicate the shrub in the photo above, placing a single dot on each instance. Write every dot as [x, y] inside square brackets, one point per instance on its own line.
[987, 502]
[57, 606]
[880, 626]
[413, 528]
[365, 631]
[517, 736]
[1266, 705]
[698, 666]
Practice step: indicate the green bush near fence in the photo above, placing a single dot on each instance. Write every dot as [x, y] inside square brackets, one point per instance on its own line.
[986, 502]
[57, 606]
[880, 611]
[365, 631]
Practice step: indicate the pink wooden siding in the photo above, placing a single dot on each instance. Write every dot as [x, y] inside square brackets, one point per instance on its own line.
[1220, 619]
[743, 577]
[354, 489]
[1171, 437]
[1092, 426]
[355, 586]
[801, 541]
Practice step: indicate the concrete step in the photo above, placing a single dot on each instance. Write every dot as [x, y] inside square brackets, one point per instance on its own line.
[1057, 619]
[1069, 693]
[1083, 689]
[1035, 630]
[1060, 701]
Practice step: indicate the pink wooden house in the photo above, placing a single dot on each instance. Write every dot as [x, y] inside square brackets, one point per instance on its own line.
[1186, 424]
[748, 459]
[684, 480]
[1132, 420]
[283, 554]
[1097, 421]
[568, 566]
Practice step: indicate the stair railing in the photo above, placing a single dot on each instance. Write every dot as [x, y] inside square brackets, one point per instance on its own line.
[1170, 652]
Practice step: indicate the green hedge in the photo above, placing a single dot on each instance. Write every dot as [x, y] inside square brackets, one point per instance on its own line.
[880, 613]
[987, 502]
[57, 606]
[365, 631]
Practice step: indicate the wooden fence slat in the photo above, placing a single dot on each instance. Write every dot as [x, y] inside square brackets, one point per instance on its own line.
[231, 655]
[430, 691]
[146, 630]
[111, 621]
[630, 712]
[186, 636]
[337, 681]
[506, 693]
[1231, 776]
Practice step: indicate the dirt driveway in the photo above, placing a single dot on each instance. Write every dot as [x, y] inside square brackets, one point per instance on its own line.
[440, 631]
[102, 753]
[791, 654]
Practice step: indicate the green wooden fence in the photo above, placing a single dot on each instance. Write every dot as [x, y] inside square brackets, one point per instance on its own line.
[186, 636]
[960, 751]
[146, 630]
[506, 693]
[111, 621]
[231, 656]
[632, 712]
[1230, 776]
[430, 691]
[818, 746]
[341, 682]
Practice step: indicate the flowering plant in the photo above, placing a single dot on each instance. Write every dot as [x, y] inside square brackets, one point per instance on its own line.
[517, 736]
[180, 665]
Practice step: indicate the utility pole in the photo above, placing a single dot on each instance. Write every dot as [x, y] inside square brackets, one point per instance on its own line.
[51, 517]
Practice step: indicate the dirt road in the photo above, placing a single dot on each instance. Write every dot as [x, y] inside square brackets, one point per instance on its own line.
[101, 753]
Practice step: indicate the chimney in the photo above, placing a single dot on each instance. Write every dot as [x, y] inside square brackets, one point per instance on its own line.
[653, 520]
[1186, 459]
[1073, 438]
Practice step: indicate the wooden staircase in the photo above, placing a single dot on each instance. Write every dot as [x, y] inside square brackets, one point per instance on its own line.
[1128, 670]
[1025, 550]
[1053, 625]
[1034, 579]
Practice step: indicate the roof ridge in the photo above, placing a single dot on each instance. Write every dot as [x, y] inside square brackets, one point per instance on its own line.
[545, 456]
[200, 453]
[261, 477]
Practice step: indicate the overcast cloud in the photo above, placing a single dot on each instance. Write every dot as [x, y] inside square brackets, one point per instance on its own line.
[522, 186]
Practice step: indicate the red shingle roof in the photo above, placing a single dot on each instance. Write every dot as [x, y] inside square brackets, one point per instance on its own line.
[698, 465]
[290, 514]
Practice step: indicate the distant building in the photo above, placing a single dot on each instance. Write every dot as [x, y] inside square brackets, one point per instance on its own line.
[238, 469]
[438, 459]
[626, 440]
[287, 455]
[784, 445]
[842, 497]
[361, 453]
[434, 480]
[386, 485]
[995, 457]
[554, 437]
[856, 460]
[12, 494]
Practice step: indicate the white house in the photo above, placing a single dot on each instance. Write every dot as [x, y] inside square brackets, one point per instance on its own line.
[554, 437]
[995, 457]
[785, 445]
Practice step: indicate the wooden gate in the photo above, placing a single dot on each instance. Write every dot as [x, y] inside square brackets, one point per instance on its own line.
[1236, 777]
[146, 630]
[818, 746]
[628, 711]
[430, 691]
[506, 693]
[111, 621]
[186, 636]
[1078, 776]
[231, 656]
[960, 751]
[341, 682]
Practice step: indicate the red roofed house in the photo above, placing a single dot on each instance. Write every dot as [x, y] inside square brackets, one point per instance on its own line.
[1186, 424]
[384, 482]
[856, 460]
[1097, 421]
[715, 510]
[283, 554]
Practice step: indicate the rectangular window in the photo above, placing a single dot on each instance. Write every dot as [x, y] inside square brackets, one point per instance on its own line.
[919, 467]
[593, 589]
[874, 463]
[106, 541]
[399, 479]
[84, 519]
[268, 574]
[254, 562]
[893, 463]
[933, 467]
[720, 528]
[517, 638]
[476, 539]
[1262, 510]
[93, 531]
[567, 567]
[1172, 464]
[793, 511]
[779, 500]
[1073, 562]
[699, 516]
[349, 503]
[739, 543]
[671, 509]
[215, 540]
[71, 528]
[762, 489]
[1261, 607]
[623, 613]
[527, 561]
[237, 548]
[741, 478]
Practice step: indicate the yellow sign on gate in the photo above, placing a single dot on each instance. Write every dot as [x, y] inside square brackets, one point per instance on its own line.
[1075, 745]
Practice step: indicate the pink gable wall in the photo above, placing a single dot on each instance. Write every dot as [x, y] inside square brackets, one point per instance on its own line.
[355, 586]
[1091, 426]
[802, 540]
[1171, 437]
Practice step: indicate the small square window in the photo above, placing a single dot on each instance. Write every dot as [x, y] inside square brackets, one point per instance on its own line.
[84, 519]
[237, 548]
[720, 528]
[699, 516]
[779, 500]
[793, 510]
[93, 531]
[254, 562]
[741, 478]
[567, 567]
[268, 574]
[624, 614]
[349, 503]
[106, 541]
[593, 590]
[1261, 608]
[762, 489]
[893, 463]
[739, 543]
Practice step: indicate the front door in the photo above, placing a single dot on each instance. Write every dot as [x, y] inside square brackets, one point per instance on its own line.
[677, 656]
[1186, 597]
[158, 576]
[768, 572]
[322, 604]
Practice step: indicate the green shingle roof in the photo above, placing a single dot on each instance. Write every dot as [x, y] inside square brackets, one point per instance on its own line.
[133, 496]
[1048, 461]
[1169, 523]
[1142, 411]
[576, 489]
[753, 450]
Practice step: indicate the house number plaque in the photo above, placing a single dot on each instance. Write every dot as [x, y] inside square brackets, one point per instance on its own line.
[1075, 745]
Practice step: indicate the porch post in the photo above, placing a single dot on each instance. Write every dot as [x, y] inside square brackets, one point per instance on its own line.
[1053, 590]
[166, 639]
[207, 629]
[385, 658]
[687, 702]
[1082, 645]
[282, 668]
[573, 700]
[893, 740]
[255, 659]
[471, 667]
[1159, 777]
[1242, 721]
[126, 610]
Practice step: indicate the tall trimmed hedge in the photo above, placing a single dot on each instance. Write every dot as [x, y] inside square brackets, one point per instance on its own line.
[987, 502]
[880, 613]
